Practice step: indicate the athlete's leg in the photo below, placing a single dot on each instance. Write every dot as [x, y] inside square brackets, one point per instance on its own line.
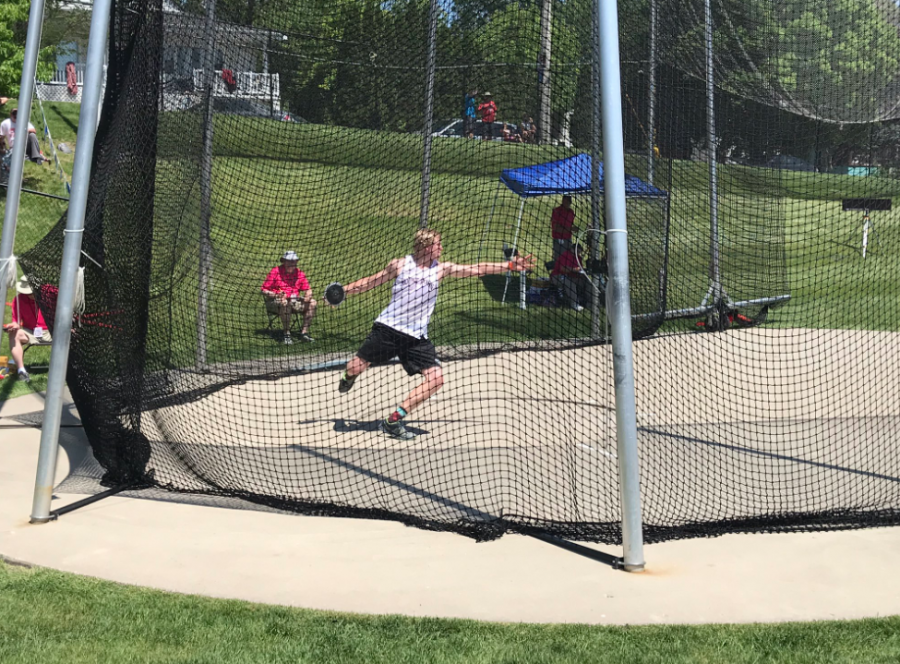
[356, 366]
[434, 379]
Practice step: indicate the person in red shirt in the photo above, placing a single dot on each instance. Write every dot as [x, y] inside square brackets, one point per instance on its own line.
[488, 111]
[27, 327]
[287, 292]
[568, 275]
[562, 226]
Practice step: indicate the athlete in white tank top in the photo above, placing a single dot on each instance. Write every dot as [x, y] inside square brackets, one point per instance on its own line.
[412, 299]
[416, 278]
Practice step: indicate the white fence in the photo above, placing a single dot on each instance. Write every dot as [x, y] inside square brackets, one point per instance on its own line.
[249, 85]
[59, 76]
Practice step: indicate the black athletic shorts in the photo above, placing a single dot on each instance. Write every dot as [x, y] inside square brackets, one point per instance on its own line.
[385, 343]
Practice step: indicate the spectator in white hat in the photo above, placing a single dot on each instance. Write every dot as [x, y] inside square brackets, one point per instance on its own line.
[27, 327]
[287, 293]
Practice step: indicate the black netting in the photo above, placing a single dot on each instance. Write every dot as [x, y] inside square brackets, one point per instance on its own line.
[764, 312]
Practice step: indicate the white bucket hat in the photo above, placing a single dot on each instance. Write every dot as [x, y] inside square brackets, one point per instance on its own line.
[289, 256]
[23, 287]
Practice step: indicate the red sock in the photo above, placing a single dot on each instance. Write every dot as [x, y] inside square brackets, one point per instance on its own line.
[397, 415]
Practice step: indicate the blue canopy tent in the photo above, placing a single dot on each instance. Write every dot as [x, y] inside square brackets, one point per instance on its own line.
[569, 176]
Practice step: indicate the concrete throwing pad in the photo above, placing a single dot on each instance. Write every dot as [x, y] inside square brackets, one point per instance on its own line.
[720, 417]
[744, 426]
[383, 567]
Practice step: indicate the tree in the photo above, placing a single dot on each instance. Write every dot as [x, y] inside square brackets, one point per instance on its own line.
[13, 29]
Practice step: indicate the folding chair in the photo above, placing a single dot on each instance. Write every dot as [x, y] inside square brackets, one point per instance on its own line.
[296, 318]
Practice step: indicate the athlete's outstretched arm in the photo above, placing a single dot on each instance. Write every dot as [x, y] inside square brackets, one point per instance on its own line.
[518, 264]
[368, 283]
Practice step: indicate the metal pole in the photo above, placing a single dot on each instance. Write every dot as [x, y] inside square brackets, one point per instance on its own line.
[206, 167]
[62, 328]
[515, 245]
[619, 291]
[543, 127]
[714, 274]
[17, 167]
[429, 112]
[651, 112]
[596, 180]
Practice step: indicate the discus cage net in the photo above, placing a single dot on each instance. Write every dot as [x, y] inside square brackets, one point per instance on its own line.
[765, 353]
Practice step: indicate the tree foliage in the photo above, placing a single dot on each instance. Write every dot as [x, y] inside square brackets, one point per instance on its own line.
[13, 29]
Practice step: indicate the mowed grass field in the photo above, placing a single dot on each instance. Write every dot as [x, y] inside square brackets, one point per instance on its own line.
[349, 200]
[780, 233]
[52, 616]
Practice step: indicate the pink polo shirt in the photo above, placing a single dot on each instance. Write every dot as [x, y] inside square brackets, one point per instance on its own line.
[279, 281]
[26, 313]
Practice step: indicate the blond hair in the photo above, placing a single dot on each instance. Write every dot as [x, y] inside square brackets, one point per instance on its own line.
[425, 237]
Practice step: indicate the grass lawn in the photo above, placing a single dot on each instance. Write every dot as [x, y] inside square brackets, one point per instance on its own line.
[348, 201]
[52, 616]
[37, 215]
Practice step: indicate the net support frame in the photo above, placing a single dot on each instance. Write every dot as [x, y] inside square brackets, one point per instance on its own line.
[522, 275]
[544, 71]
[206, 165]
[651, 89]
[17, 167]
[606, 55]
[430, 69]
[715, 287]
[62, 330]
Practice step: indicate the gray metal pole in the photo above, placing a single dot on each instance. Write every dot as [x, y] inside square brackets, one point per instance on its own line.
[619, 289]
[596, 156]
[17, 167]
[206, 166]
[430, 67]
[62, 328]
[714, 273]
[543, 128]
[651, 112]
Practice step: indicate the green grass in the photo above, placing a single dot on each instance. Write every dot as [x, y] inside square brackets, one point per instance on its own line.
[50, 616]
[37, 215]
[348, 201]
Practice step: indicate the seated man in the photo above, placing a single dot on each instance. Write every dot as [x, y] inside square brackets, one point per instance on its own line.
[8, 138]
[568, 275]
[27, 327]
[287, 292]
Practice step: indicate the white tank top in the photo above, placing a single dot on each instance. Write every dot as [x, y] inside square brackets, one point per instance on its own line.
[412, 299]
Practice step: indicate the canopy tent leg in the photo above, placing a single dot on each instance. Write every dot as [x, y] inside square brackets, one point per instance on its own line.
[513, 253]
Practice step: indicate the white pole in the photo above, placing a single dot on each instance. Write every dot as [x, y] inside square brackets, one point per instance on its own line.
[514, 246]
[651, 114]
[619, 312]
[543, 128]
[865, 237]
[714, 272]
[429, 113]
[62, 329]
[17, 166]
[204, 277]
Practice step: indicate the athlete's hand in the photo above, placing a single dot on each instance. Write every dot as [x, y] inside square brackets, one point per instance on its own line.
[523, 263]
